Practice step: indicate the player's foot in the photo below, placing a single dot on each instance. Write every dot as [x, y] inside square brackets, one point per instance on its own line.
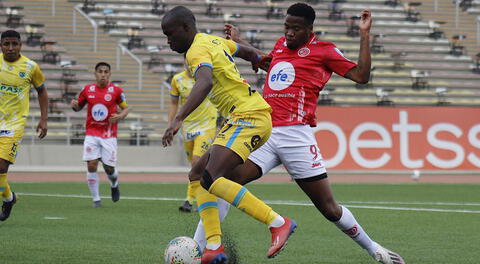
[186, 207]
[97, 204]
[7, 208]
[217, 256]
[386, 256]
[115, 193]
[280, 236]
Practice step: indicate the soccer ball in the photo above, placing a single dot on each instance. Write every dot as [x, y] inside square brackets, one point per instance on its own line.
[183, 250]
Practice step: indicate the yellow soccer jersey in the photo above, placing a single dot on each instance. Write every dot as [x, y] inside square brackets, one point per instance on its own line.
[204, 117]
[230, 92]
[16, 80]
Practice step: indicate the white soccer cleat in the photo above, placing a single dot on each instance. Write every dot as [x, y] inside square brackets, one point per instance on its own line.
[386, 256]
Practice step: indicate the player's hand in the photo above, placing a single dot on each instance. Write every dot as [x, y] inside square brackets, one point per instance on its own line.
[231, 32]
[263, 63]
[365, 21]
[74, 104]
[171, 132]
[114, 118]
[42, 128]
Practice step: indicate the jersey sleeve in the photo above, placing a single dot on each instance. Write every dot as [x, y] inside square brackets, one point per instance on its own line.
[174, 91]
[232, 46]
[199, 56]
[121, 99]
[82, 99]
[336, 61]
[38, 79]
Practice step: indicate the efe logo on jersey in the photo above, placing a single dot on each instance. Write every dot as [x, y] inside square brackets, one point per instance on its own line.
[99, 112]
[281, 76]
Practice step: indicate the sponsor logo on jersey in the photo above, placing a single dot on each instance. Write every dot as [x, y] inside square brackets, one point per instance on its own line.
[108, 97]
[21, 74]
[303, 52]
[110, 89]
[281, 76]
[92, 88]
[11, 89]
[99, 112]
[91, 96]
[6, 133]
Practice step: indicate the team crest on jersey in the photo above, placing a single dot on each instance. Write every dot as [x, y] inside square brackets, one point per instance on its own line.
[110, 89]
[303, 52]
[108, 97]
[99, 112]
[21, 74]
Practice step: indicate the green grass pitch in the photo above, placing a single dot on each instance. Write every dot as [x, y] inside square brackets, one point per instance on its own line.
[55, 223]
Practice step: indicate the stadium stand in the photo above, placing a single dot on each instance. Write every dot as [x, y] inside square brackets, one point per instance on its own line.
[415, 48]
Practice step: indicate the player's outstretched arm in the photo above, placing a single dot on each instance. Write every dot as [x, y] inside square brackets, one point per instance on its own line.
[43, 102]
[201, 88]
[361, 73]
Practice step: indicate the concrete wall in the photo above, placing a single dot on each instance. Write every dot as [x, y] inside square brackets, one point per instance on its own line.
[69, 158]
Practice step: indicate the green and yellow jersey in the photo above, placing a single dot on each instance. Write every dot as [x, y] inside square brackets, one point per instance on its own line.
[16, 80]
[203, 118]
[230, 92]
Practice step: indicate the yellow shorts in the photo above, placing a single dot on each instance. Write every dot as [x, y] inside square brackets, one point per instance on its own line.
[199, 144]
[245, 132]
[9, 146]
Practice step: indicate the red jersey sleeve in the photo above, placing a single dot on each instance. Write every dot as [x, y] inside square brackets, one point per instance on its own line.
[336, 61]
[82, 99]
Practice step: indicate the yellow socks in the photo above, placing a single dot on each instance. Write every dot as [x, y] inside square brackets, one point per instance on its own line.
[191, 190]
[241, 198]
[4, 187]
[208, 210]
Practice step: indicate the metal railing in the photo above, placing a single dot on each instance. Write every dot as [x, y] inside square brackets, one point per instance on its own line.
[78, 9]
[121, 50]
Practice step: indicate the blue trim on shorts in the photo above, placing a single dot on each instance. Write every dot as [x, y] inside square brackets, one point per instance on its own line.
[239, 196]
[234, 136]
[2, 188]
[207, 205]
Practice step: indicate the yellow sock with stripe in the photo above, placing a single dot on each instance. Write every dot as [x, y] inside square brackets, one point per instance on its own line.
[208, 210]
[5, 188]
[240, 197]
[191, 190]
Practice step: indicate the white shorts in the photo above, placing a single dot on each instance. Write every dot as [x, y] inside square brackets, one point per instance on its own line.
[104, 148]
[293, 146]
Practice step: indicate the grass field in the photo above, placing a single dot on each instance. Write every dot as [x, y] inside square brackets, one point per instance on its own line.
[55, 223]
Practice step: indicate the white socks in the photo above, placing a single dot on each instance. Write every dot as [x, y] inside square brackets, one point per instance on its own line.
[199, 236]
[352, 228]
[277, 222]
[93, 184]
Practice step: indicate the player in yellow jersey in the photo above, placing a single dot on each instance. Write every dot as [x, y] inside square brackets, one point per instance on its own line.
[210, 59]
[198, 129]
[17, 75]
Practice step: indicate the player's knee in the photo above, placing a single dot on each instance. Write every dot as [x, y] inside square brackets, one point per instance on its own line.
[109, 170]
[194, 175]
[206, 180]
[332, 211]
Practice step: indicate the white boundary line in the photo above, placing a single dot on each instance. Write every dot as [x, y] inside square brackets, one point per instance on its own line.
[352, 204]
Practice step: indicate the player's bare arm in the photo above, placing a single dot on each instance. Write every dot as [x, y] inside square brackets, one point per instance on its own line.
[203, 85]
[114, 118]
[75, 106]
[172, 110]
[361, 73]
[43, 102]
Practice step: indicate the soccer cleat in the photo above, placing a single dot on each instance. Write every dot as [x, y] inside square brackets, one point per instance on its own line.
[115, 193]
[280, 236]
[217, 256]
[7, 208]
[186, 207]
[386, 256]
[97, 204]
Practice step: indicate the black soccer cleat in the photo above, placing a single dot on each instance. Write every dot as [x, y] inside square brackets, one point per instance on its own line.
[115, 194]
[186, 207]
[7, 208]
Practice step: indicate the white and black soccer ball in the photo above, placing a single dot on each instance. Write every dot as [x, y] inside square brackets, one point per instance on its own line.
[183, 250]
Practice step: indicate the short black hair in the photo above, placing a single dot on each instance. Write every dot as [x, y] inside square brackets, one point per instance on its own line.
[10, 34]
[102, 64]
[181, 13]
[302, 10]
